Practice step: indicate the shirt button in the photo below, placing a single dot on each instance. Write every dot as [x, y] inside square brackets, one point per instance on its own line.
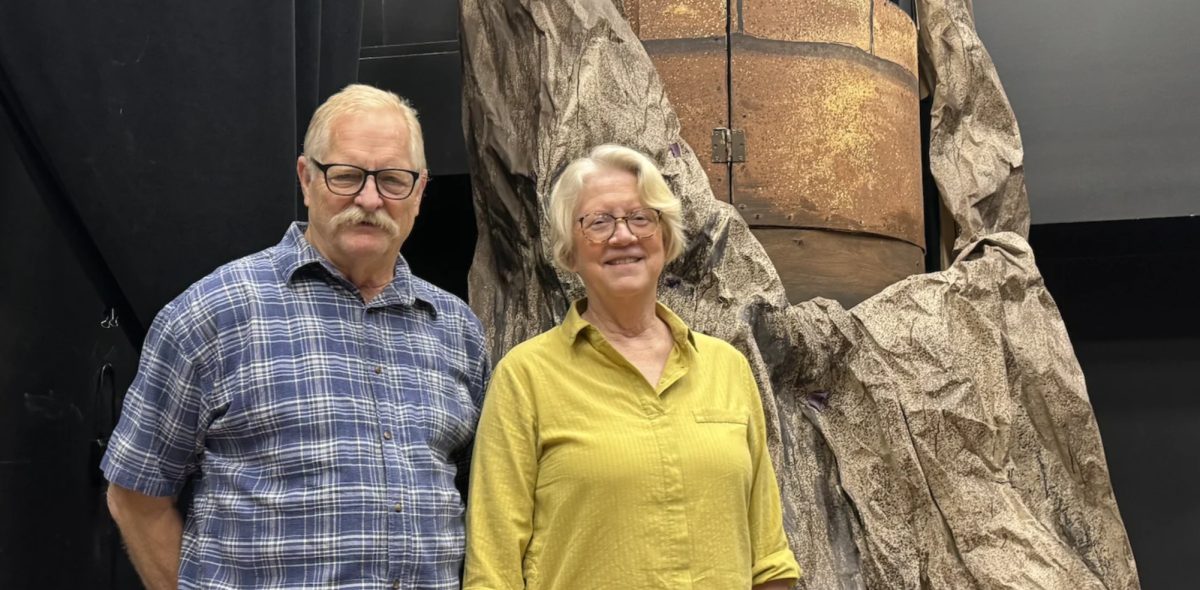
[396, 585]
[398, 507]
[378, 369]
[387, 435]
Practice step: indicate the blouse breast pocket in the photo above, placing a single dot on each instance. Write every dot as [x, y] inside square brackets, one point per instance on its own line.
[722, 446]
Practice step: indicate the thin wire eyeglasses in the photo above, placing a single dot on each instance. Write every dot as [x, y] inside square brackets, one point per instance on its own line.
[600, 227]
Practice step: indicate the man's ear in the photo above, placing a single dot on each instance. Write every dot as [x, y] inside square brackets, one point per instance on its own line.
[419, 190]
[302, 172]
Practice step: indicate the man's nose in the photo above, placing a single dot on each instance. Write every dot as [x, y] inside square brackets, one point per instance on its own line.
[368, 198]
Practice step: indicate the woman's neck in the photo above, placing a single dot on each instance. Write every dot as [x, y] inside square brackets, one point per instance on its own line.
[627, 319]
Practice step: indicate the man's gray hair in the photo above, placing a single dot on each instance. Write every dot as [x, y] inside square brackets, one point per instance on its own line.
[360, 98]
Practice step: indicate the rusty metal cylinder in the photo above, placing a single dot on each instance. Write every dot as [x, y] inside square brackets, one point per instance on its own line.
[825, 95]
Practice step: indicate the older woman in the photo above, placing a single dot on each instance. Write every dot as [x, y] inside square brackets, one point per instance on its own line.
[621, 449]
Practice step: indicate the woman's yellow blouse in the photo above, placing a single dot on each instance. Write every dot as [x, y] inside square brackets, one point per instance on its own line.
[586, 476]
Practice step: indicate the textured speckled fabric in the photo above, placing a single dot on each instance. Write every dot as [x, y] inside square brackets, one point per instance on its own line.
[938, 435]
[975, 150]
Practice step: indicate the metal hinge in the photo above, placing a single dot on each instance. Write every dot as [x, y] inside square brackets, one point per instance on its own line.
[728, 145]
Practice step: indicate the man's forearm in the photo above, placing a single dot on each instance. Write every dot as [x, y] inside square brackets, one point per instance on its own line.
[153, 533]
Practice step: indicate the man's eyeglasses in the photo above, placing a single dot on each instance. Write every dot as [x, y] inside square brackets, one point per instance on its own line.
[600, 227]
[348, 181]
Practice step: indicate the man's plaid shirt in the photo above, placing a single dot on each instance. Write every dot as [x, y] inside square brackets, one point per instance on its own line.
[326, 434]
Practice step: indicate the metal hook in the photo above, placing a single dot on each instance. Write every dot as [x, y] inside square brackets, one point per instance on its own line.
[111, 320]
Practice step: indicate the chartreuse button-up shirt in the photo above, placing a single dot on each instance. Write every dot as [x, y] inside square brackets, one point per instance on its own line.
[587, 476]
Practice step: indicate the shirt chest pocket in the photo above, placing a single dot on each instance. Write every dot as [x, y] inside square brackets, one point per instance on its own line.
[721, 446]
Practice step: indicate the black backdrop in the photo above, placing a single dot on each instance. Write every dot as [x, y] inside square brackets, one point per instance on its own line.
[142, 144]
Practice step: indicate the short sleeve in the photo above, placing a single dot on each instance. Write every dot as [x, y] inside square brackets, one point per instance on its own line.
[157, 443]
[481, 365]
[477, 383]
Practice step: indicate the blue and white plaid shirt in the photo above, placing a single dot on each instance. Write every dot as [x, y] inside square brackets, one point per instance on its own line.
[326, 433]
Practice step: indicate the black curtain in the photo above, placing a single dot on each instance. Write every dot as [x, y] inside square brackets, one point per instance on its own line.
[142, 144]
[328, 35]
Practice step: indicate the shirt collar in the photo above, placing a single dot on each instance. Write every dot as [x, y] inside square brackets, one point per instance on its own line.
[297, 253]
[574, 323]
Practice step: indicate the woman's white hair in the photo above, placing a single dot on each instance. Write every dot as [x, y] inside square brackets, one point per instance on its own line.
[564, 197]
[360, 98]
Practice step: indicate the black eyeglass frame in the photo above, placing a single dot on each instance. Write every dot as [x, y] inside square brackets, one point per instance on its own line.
[324, 168]
[625, 218]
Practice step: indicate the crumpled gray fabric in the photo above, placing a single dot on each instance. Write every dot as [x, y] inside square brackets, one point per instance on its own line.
[938, 435]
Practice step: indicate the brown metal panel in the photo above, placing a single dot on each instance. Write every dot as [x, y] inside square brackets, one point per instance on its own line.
[676, 19]
[694, 73]
[895, 36]
[837, 265]
[833, 139]
[845, 22]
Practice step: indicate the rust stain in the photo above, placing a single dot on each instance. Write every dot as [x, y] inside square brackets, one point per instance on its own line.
[696, 87]
[678, 19]
[895, 36]
[831, 142]
[845, 22]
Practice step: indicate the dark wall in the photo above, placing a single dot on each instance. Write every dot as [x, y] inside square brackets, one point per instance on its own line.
[1127, 293]
[1148, 407]
[1106, 95]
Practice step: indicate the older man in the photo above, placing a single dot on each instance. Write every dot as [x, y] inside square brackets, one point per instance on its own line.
[323, 398]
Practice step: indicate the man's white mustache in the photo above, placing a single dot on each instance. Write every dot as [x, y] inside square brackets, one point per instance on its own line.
[357, 215]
